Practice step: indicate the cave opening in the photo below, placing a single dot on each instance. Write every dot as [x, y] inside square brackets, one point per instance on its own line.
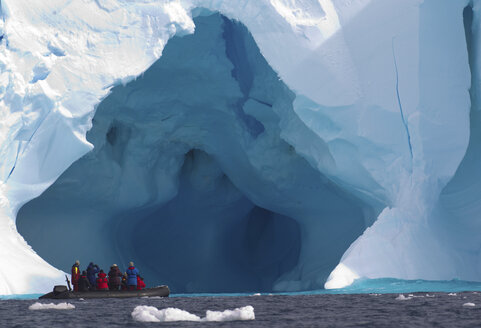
[191, 179]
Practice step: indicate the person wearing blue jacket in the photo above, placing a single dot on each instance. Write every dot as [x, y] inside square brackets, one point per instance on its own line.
[132, 274]
[92, 270]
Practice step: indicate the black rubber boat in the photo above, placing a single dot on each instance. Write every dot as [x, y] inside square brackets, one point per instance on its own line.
[61, 292]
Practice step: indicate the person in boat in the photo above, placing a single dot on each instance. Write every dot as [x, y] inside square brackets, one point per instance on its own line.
[132, 274]
[92, 270]
[102, 282]
[140, 283]
[75, 275]
[115, 277]
[124, 281]
[83, 282]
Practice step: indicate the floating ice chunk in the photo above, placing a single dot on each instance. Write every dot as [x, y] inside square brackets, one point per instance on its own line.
[401, 297]
[452, 294]
[427, 295]
[469, 304]
[243, 313]
[146, 313]
[51, 306]
[256, 294]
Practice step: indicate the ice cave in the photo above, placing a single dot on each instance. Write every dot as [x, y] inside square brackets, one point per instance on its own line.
[240, 146]
[190, 177]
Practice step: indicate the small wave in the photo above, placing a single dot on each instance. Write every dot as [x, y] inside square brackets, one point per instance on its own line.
[51, 306]
[146, 313]
[401, 297]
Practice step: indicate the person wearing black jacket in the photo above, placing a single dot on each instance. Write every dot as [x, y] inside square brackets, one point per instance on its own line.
[115, 277]
[83, 283]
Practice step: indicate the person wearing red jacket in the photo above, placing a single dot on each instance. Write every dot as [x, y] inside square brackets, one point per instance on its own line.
[140, 282]
[102, 281]
[75, 275]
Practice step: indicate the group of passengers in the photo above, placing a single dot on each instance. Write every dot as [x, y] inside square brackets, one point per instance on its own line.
[88, 281]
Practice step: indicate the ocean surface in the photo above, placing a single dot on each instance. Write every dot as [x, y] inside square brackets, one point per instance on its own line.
[366, 304]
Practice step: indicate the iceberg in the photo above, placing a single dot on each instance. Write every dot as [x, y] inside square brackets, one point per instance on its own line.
[240, 146]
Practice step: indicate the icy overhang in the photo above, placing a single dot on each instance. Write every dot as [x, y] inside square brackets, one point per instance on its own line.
[191, 178]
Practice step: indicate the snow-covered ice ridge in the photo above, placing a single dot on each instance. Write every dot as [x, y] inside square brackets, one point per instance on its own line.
[240, 145]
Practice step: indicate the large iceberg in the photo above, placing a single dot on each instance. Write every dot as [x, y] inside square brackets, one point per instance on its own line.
[270, 145]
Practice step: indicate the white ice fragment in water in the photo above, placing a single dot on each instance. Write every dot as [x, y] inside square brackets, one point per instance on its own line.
[146, 313]
[469, 304]
[243, 313]
[256, 294]
[427, 295]
[51, 306]
[401, 297]
[452, 294]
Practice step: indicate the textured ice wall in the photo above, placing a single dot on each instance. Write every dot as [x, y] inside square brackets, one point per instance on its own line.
[58, 59]
[383, 84]
[190, 177]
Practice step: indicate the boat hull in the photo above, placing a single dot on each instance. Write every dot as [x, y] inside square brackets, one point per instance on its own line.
[162, 291]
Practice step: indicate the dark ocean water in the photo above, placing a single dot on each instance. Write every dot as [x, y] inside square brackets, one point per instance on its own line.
[324, 310]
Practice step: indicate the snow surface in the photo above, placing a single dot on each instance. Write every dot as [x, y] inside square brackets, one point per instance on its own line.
[348, 127]
[145, 313]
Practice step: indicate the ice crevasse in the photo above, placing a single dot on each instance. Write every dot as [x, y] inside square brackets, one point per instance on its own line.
[271, 145]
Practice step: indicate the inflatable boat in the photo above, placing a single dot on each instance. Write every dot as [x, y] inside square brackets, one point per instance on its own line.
[62, 292]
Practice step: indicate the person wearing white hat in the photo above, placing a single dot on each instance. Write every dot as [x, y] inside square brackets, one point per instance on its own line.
[115, 277]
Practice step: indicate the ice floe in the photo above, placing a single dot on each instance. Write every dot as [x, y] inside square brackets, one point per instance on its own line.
[469, 304]
[401, 297]
[51, 306]
[146, 313]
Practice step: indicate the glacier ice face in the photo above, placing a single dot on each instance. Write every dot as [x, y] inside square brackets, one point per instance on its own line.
[189, 173]
[341, 133]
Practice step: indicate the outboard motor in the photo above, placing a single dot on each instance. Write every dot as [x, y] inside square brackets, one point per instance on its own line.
[59, 290]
